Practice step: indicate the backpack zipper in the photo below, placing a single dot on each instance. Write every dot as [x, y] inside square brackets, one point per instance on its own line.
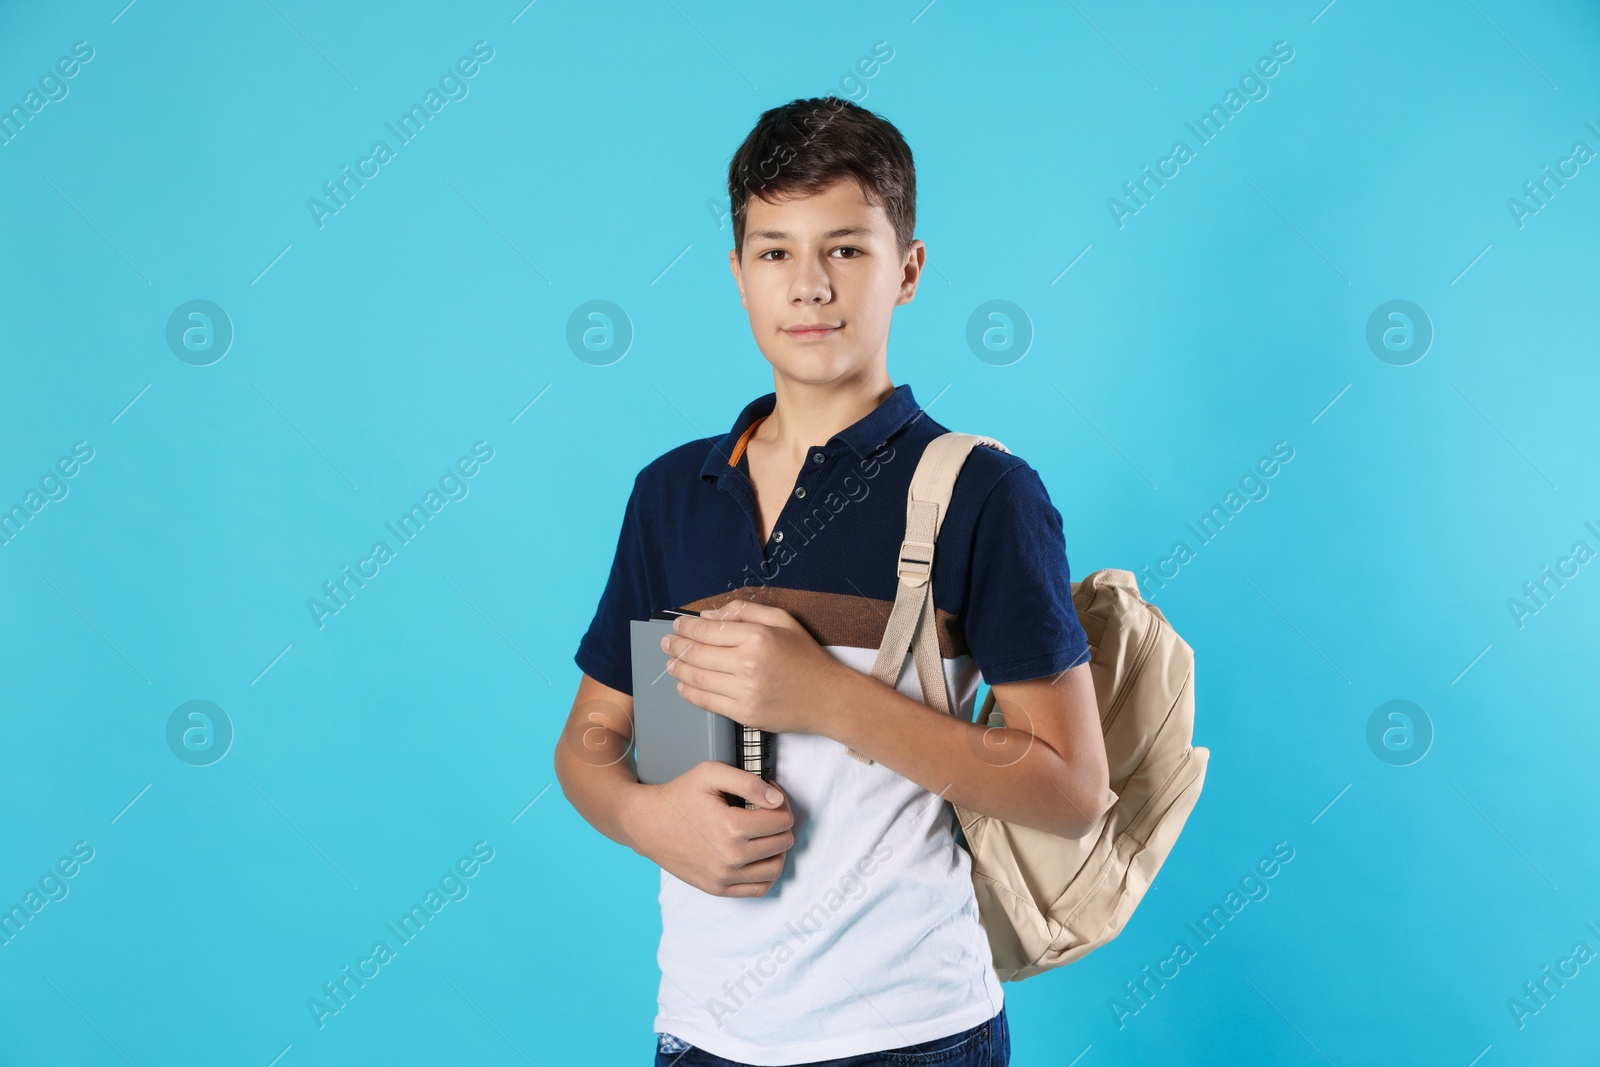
[1146, 645]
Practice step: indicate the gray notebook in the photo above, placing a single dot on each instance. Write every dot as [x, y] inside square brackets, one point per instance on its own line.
[671, 734]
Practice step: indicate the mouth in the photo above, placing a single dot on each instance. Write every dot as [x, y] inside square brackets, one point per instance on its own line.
[812, 331]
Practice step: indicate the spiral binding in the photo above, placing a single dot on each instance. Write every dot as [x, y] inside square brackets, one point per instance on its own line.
[755, 755]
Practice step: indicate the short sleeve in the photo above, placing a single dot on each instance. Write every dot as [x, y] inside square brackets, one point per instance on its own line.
[1019, 619]
[605, 651]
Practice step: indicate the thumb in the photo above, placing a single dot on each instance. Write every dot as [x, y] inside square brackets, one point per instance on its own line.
[743, 784]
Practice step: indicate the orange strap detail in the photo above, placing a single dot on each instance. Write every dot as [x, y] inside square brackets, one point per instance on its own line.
[744, 439]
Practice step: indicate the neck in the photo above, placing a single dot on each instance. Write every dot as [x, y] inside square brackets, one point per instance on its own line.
[807, 414]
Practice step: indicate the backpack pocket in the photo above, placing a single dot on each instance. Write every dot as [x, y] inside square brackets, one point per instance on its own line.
[1100, 899]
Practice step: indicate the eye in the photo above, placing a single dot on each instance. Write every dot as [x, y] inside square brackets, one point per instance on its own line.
[846, 248]
[769, 252]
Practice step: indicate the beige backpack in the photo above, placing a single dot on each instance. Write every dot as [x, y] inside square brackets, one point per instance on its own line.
[1047, 900]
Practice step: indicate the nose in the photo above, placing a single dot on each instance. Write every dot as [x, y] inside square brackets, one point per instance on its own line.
[810, 283]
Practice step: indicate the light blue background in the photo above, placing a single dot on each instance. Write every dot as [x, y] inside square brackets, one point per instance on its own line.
[589, 162]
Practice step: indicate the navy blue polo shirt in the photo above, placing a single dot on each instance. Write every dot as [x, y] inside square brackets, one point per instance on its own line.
[876, 889]
[690, 539]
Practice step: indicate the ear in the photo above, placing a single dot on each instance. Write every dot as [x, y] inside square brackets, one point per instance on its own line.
[738, 277]
[911, 271]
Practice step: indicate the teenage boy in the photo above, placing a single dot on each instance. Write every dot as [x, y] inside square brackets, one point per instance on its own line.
[835, 922]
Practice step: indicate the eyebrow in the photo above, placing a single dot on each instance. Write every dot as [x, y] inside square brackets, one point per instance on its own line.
[779, 235]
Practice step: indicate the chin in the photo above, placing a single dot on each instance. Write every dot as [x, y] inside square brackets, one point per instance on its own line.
[813, 371]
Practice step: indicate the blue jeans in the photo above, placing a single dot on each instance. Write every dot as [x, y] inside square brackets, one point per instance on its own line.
[985, 1045]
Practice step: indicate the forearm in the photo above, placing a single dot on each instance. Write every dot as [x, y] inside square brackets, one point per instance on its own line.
[1009, 775]
[597, 776]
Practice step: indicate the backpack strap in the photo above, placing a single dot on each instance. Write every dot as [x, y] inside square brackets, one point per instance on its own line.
[912, 625]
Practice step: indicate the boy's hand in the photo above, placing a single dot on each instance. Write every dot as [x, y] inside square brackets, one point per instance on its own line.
[755, 664]
[686, 828]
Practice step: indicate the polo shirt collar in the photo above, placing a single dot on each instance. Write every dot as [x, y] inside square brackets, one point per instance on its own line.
[865, 436]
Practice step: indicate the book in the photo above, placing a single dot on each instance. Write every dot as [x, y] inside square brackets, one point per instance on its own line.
[670, 733]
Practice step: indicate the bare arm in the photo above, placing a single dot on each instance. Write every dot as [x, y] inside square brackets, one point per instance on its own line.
[1045, 769]
[594, 759]
[684, 826]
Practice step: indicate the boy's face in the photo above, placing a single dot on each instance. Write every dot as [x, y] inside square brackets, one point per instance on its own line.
[827, 260]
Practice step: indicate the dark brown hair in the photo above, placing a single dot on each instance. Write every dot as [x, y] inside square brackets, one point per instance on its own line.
[806, 145]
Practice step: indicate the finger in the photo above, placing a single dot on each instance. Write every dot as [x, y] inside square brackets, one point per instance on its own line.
[754, 824]
[719, 777]
[716, 630]
[766, 847]
[709, 699]
[700, 654]
[755, 871]
[740, 610]
[762, 873]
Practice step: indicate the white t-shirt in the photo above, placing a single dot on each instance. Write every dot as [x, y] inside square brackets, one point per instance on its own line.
[869, 939]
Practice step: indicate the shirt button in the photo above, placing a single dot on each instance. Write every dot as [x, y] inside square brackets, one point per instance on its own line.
[818, 457]
[800, 491]
[778, 536]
